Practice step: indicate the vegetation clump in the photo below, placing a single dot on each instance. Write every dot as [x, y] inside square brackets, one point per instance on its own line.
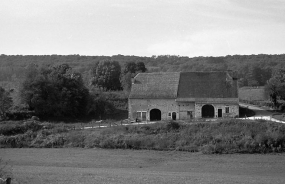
[228, 136]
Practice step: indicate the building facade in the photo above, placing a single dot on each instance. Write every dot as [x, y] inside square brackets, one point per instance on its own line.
[183, 95]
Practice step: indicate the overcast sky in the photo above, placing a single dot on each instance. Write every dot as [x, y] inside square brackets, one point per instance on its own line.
[142, 27]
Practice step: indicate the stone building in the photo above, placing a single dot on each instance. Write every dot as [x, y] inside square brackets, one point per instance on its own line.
[183, 95]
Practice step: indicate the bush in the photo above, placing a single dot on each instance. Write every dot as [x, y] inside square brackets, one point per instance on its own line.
[208, 149]
[75, 139]
[19, 115]
[228, 136]
[12, 129]
[172, 125]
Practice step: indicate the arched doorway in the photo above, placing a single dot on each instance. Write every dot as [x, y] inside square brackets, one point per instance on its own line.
[173, 115]
[155, 115]
[208, 111]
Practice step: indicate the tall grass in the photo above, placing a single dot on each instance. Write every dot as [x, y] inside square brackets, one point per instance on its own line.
[228, 136]
[231, 136]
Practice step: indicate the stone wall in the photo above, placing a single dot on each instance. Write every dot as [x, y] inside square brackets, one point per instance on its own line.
[233, 109]
[164, 105]
[184, 110]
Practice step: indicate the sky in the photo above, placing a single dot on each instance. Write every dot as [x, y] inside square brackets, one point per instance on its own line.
[142, 27]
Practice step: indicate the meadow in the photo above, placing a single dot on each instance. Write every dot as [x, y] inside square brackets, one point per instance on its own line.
[79, 165]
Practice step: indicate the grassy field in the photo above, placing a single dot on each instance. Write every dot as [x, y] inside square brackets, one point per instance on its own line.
[252, 93]
[62, 166]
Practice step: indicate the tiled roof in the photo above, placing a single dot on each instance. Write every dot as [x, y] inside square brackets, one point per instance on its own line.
[155, 85]
[184, 85]
[207, 85]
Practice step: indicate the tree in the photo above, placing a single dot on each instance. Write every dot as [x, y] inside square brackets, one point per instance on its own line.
[55, 91]
[6, 102]
[129, 71]
[130, 67]
[140, 67]
[276, 86]
[126, 81]
[99, 105]
[106, 75]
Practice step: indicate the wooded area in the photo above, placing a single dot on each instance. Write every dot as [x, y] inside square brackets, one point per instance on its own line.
[74, 85]
[252, 70]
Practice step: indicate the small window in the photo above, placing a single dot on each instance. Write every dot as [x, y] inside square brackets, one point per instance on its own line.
[227, 110]
[190, 114]
[169, 114]
[141, 115]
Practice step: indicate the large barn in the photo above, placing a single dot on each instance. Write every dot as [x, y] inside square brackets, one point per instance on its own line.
[183, 95]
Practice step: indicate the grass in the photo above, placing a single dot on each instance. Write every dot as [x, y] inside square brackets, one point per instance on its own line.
[279, 116]
[70, 165]
[252, 93]
[226, 136]
[5, 169]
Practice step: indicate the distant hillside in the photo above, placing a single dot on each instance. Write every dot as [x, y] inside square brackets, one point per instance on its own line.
[252, 70]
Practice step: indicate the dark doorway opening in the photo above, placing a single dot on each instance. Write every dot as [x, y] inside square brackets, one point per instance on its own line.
[173, 115]
[189, 114]
[220, 113]
[155, 115]
[208, 111]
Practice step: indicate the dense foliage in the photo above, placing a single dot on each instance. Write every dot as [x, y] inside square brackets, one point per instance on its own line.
[229, 136]
[106, 75]
[43, 84]
[55, 91]
[130, 69]
[6, 102]
[275, 86]
[252, 70]
[99, 105]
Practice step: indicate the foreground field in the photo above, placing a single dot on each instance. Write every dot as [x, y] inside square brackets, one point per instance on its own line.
[62, 166]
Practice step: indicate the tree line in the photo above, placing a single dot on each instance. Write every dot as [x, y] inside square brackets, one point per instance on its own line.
[252, 70]
[59, 91]
[76, 88]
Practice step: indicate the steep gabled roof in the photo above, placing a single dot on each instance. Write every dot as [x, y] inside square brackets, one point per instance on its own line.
[183, 85]
[155, 85]
[206, 85]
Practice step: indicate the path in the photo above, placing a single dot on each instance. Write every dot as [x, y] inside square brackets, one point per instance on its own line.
[260, 112]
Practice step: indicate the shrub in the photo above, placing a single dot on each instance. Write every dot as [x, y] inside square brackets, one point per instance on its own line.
[172, 125]
[75, 139]
[19, 114]
[13, 129]
[227, 136]
[208, 149]
[92, 140]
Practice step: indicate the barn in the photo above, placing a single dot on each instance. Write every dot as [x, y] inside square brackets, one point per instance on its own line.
[183, 95]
